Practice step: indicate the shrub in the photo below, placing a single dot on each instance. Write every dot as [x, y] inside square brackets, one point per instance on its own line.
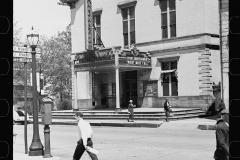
[64, 105]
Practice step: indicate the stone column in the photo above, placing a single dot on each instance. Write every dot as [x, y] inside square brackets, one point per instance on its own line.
[117, 81]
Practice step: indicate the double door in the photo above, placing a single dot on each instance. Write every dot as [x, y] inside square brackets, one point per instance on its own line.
[130, 88]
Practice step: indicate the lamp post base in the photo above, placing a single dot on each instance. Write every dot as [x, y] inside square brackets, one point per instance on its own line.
[36, 153]
[118, 109]
[47, 156]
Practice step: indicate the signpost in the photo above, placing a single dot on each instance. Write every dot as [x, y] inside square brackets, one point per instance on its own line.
[20, 53]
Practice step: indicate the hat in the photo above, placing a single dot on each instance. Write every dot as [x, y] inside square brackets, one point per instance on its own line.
[130, 101]
[225, 111]
[79, 114]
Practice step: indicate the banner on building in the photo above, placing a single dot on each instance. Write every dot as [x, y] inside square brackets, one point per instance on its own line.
[88, 24]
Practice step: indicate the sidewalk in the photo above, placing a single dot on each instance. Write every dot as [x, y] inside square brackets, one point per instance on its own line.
[190, 123]
[185, 124]
[21, 156]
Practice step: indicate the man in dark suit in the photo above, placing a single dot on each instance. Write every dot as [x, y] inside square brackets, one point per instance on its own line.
[221, 107]
[222, 137]
[167, 109]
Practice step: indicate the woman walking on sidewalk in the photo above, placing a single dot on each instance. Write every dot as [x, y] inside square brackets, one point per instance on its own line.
[130, 111]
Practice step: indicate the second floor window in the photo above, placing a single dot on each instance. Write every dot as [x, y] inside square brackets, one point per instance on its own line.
[168, 16]
[97, 24]
[128, 15]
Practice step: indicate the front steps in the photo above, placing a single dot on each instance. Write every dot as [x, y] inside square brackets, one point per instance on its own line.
[123, 115]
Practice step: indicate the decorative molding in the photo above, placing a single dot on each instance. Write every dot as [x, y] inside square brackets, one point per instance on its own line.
[168, 58]
[127, 3]
[202, 46]
[70, 3]
[203, 57]
[204, 71]
[206, 60]
[205, 83]
[176, 38]
[203, 64]
[97, 11]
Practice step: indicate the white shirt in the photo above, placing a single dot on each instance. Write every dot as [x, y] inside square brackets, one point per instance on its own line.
[84, 131]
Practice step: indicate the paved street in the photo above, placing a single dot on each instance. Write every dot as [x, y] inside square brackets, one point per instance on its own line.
[125, 143]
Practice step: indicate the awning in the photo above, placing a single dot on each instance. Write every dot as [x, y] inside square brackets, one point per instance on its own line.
[168, 71]
[167, 58]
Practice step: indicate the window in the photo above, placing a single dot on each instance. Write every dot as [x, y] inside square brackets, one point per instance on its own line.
[169, 79]
[97, 32]
[128, 15]
[168, 16]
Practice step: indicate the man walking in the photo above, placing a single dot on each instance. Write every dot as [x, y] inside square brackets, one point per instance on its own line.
[167, 109]
[222, 137]
[220, 108]
[85, 138]
[130, 111]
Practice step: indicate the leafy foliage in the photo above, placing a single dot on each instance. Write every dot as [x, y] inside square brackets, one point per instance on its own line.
[64, 105]
[16, 34]
[56, 62]
[55, 65]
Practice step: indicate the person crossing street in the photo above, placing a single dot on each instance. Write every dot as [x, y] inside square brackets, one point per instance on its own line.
[85, 138]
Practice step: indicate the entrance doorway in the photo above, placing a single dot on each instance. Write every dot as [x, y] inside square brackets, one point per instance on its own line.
[130, 88]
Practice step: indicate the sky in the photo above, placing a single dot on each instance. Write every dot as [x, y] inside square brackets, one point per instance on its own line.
[46, 16]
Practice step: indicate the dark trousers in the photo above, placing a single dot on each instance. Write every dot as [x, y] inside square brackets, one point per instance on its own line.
[80, 150]
[130, 116]
[167, 114]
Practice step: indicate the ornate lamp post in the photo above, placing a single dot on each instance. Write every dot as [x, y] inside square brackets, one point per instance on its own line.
[25, 103]
[36, 148]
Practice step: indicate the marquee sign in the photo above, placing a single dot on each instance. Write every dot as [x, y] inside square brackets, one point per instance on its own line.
[107, 55]
[88, 24]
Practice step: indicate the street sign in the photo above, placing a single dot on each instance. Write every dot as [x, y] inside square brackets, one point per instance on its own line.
[21, 59]
[24, 49]
[23, 55]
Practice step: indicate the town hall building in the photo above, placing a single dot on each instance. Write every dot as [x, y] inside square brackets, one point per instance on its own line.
[146, 51]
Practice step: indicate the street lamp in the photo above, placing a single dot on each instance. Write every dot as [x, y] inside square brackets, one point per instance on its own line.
[36, 148]
[25, 102]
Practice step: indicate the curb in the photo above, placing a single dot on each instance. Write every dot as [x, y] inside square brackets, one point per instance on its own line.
[17, 156]
[146, 125]
[207, 127]
[140, 125]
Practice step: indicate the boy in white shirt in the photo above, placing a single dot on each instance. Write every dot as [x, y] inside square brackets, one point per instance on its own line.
[85, 138]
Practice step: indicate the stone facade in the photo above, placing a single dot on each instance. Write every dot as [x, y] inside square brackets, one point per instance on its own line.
[195, 48]
[224, 18]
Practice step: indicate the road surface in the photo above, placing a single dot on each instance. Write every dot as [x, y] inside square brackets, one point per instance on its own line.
[123, 143]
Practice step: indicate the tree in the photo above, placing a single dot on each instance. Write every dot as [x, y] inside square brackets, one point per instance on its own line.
[56, 63]
[18, 68]
[17, 33]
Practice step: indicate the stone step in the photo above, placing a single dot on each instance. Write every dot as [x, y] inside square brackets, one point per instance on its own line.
[126, 115]
[135, 118]
[124, 112]
[143, 115]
